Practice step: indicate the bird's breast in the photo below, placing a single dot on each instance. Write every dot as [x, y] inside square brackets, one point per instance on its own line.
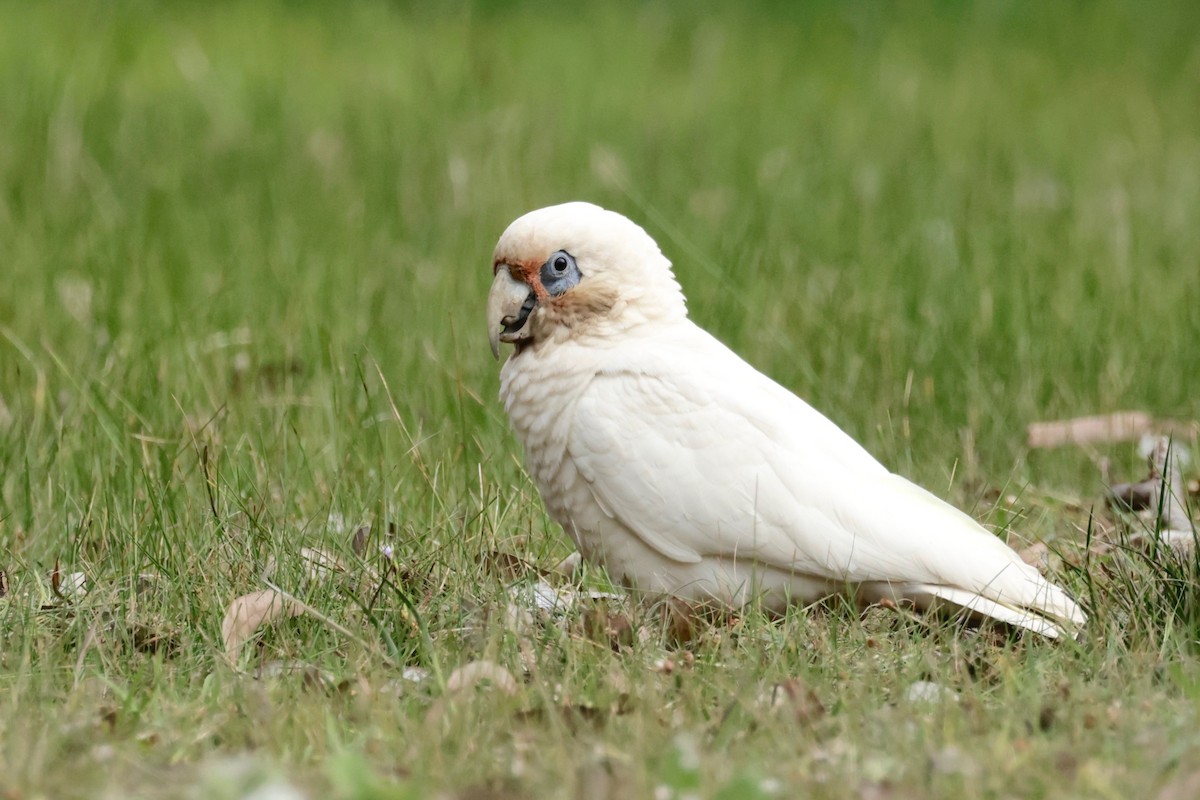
[540, 395]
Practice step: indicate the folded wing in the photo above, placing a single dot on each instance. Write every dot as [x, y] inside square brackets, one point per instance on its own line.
[700, 455]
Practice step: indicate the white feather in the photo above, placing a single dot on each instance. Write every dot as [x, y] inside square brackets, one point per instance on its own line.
[687, 472]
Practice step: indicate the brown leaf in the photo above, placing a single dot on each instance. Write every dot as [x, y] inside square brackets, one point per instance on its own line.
[1067, 763]
[1047, 717]
[1117, 427]
[684, 622]
[1134, 496]
[468, 676]
[508, 566]
[359, 543]
[1161, 493]
[796, 696]
[148, 639]
[248, 613]
[604, 626]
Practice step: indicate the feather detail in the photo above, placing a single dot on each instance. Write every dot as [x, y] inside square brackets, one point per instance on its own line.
[687, 472]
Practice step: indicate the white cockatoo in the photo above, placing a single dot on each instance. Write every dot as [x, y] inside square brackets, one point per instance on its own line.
[685, 472]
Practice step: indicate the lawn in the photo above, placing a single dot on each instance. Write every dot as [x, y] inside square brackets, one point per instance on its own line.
[245, 249]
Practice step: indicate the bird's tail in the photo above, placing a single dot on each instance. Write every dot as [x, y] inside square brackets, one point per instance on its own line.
[1055, 614]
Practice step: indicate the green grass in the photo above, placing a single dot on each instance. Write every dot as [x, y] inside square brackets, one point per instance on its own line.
[244, 253]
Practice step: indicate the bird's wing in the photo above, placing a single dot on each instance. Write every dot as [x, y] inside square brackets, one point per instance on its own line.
[700, 455]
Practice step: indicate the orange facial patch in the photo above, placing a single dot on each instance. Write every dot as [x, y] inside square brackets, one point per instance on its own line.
[527, 271]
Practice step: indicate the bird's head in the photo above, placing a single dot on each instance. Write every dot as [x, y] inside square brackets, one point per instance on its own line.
[576, 267]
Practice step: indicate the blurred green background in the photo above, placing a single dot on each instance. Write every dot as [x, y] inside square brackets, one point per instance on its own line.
[1000, 199]
[244, 247]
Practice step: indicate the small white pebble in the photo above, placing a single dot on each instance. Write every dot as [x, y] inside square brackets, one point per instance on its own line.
[547, 598]
[929, 692]
[415, 674]
[688, 748]
[481, 672]
[770, 786]
[275, 790]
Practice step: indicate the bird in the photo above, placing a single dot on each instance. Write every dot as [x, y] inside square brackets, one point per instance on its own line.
[689, 475]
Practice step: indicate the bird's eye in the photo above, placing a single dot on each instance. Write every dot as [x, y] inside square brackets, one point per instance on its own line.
[560, 273]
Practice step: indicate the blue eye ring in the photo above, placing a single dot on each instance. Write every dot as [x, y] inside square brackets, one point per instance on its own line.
[560, 273]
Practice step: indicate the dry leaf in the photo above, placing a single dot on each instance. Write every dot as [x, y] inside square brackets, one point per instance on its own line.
[604, 626]
[1166, 461]
[794, 695]
[248, 613]
[683, 622]
[804, 702]
[1039, 555]
[569, 565]
[517, 619]
[1133, 496]
[359, 543]
[468, 676]
[150, 639]
[531, 603]
[1117, 427]
[509, 566]
[320, 564]
[1036, 554]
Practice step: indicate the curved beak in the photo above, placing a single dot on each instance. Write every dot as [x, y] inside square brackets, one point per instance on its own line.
[508, 307]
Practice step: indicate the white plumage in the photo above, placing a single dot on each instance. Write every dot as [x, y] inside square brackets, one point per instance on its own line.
[686, 472]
